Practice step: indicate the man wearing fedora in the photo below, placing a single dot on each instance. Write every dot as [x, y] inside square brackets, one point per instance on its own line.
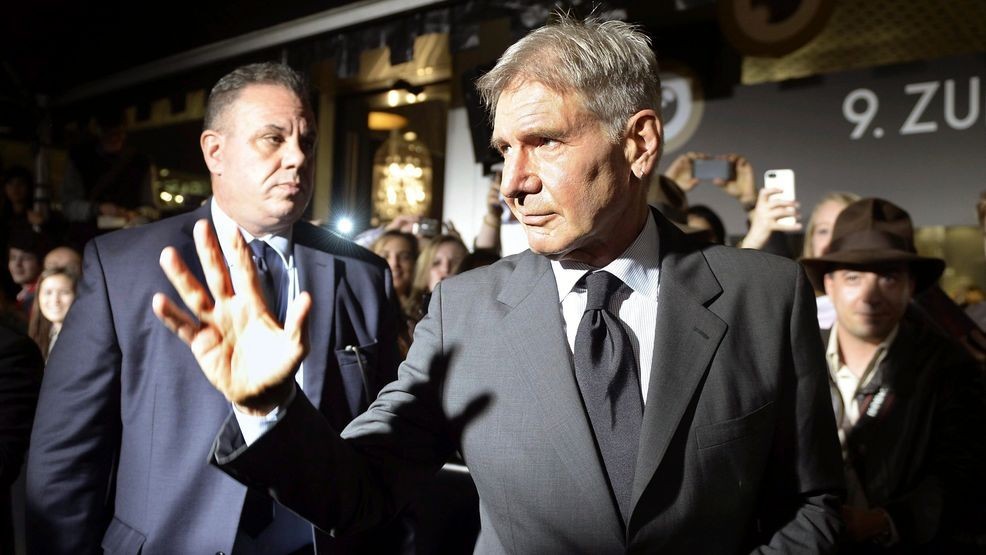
[908, 401]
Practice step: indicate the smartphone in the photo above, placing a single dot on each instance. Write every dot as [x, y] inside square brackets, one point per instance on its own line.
[427, 227]
[715, 168]
[783, 180]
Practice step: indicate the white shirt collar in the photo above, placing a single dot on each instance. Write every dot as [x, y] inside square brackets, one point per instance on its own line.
[834, 358]
[281, 243]
[638, 266]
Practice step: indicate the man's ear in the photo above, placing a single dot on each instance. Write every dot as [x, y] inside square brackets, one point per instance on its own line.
[212, 143]
[644, 141]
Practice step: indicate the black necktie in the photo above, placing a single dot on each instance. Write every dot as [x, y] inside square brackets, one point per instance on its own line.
[272, 276]
[606, 371]
[258, 508]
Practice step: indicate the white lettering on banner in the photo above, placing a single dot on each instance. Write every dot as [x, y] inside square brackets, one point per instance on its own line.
[927, 92]
[861, 119]
[860, 108]
[970, 118]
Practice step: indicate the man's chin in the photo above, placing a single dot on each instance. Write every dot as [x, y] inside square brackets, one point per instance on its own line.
[539, 244]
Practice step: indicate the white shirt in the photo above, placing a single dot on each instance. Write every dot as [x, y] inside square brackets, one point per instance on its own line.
[635, 303]
[252, 427]
[845, 384]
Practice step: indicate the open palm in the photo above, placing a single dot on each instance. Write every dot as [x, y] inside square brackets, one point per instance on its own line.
[242, 349]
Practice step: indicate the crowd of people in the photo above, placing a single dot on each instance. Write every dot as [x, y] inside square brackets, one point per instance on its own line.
[238, 380]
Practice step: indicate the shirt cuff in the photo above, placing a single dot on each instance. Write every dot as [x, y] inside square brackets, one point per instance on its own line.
[252, 427]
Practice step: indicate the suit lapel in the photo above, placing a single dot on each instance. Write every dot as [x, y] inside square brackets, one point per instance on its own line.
[187, 248]
[316, 274]
[534, 343]
[687, 337]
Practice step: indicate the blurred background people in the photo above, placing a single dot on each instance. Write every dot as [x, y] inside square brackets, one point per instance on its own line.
[477, 259]
[64, 257]
[107, 182]
[20, 381]
[704, 218]
[400, 250]
[769, 216]
[818, 232]
[437, 261]
[24, 255]
[18, 188]
[977, 309]
[55, 295]
[818, 235]
[488, 237]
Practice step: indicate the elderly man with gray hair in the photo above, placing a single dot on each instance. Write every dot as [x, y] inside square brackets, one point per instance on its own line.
[618, 388]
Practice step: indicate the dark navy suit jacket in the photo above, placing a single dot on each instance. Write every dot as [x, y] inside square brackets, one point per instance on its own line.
[120, 448]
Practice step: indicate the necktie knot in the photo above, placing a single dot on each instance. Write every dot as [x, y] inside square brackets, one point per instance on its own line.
[600, 287]
[259, 250]
[272, 276]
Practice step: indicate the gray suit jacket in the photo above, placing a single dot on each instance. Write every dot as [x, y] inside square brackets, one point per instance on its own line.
[119, 450]
[738, 449]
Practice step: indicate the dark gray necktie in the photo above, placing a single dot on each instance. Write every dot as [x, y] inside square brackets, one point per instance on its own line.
[606, 371]
[273, 277]
[258, 508]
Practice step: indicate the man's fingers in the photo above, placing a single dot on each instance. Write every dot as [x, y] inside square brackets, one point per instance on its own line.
[175, 319]
[244, 274]
[211, 258]
[189, 289]
[294, 320]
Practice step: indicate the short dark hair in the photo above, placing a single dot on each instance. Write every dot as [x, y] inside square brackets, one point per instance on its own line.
[228, 88]
[17, 172]
[709, 215]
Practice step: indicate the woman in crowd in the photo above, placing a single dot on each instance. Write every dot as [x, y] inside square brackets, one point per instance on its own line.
[818, 234]
[400, 250]
[437, 261]
[55, 294]
[819, 230]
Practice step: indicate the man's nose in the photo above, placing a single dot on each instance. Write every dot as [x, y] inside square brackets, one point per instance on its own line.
[871, 289]
[294, 155]
[519, 176]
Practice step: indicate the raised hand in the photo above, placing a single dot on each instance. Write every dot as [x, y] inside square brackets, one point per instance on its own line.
[680, 171]
[743, 186]
[770, 215]
[238, 343]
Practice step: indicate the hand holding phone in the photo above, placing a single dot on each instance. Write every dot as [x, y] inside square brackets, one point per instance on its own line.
[712, 169]
[427, 227]
[783, 180]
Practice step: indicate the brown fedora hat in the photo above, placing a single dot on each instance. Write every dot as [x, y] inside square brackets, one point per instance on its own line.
[872, 232]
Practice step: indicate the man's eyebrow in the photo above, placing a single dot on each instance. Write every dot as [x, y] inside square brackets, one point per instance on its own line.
[272, 127]
[538, 130]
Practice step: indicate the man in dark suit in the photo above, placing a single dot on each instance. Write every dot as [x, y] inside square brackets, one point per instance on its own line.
[120, 448]
[20, 380]
[622, 388]
[908, 400]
